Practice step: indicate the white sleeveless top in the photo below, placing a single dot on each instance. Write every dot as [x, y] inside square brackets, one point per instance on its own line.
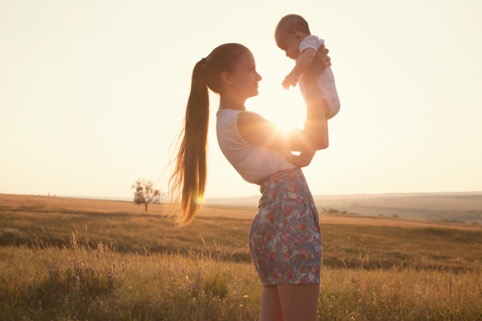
[253, 162]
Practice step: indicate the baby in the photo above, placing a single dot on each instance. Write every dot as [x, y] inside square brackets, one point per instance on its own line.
[293, 36]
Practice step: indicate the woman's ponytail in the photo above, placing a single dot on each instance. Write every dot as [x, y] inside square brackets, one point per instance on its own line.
[188, 180]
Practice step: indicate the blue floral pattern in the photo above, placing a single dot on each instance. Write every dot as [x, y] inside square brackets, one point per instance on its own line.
[285, 238]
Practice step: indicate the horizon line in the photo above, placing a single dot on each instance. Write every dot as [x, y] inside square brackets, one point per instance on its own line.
[217, 198]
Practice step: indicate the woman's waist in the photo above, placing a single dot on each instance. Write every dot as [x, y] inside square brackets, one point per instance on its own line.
[258, 173]
[290, 183]
[280, 175]
[254, 162]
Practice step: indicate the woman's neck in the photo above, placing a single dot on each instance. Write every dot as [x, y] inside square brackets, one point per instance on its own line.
[228, 103]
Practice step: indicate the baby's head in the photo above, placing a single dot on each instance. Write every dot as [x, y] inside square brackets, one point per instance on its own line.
[289, 32]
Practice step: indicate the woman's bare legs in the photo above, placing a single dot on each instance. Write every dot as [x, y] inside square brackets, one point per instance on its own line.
[299, 302]
[290, 303]
[270, 305]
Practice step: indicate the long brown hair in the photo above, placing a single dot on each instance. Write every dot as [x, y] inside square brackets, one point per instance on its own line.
[188, 180]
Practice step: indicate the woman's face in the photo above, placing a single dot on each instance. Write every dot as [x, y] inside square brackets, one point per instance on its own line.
[245, 78]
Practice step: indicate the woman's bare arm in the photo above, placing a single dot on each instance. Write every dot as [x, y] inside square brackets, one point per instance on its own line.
[258, 130]
[316, 124]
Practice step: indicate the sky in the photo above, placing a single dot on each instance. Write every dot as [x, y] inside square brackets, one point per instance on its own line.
[93, 93]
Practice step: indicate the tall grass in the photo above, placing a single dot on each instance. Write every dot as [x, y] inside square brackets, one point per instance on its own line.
[99, 284]
[79, 262]
[405, 294]
[344, 246]
[75, 283]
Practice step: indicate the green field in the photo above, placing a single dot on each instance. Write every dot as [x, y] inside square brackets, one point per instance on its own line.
[70, 259]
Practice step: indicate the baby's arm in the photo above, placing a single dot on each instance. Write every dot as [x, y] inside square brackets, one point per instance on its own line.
[302, 64]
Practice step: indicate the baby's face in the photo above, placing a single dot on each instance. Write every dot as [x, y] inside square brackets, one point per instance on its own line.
[289, 43]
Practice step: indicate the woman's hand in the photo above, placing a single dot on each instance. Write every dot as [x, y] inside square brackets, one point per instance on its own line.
[301, 160]
[320, 62]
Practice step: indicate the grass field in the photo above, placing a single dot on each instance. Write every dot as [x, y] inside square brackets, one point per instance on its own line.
[464, 207]
[76, 259]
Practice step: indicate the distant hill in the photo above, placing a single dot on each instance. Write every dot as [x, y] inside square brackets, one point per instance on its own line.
[464, 207]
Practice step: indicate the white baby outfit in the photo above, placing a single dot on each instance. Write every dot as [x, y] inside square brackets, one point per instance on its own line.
[325, 82]
[253, 162]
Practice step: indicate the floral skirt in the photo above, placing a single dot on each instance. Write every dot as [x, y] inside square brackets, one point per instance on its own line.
[285, 238]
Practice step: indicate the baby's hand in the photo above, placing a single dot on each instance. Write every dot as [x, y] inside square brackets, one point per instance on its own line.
[289, 80]
[286, 83]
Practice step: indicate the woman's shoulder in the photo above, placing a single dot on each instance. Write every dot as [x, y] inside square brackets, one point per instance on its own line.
[227, 112]
[242, 116]
[240, 120]
[249, 118]
[254, 128]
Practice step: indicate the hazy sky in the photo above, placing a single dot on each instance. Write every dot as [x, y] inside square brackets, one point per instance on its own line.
[92, 93]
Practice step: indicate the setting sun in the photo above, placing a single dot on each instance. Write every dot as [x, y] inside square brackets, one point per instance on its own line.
[285, 108]
[122, 77]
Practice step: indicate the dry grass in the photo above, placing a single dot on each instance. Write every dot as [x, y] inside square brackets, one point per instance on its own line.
[352, 242]
[79, 284]
[71, 205]
[463, 207]
[74, 283]
[79, 205]
[73, 259]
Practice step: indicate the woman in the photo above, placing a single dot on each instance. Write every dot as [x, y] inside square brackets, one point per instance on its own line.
[285, 239]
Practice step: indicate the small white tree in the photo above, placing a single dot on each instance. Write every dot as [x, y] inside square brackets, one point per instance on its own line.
[145, 193]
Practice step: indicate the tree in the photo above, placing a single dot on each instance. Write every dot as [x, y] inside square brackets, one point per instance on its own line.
[145, 193]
